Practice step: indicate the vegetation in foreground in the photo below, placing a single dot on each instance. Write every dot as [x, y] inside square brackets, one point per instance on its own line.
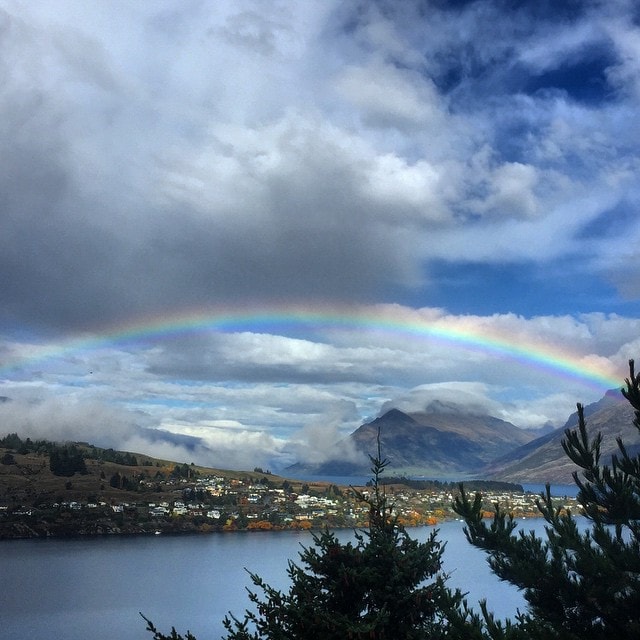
[579, 583]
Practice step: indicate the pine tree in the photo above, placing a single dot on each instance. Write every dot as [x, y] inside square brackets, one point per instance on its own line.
[383, 586]
[375, 588]
[580, 583]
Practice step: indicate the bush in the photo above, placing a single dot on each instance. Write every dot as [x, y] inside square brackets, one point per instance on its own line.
[7, 458]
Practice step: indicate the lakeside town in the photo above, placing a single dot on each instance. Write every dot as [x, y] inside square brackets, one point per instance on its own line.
[250, 502]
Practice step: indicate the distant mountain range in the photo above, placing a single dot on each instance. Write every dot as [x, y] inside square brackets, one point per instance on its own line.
[544, 460]
[449, 443]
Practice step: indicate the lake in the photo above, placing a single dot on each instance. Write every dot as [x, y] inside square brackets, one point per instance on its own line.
[570, 490]
[94, 588]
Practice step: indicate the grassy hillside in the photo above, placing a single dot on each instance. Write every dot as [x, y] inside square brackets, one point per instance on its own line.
[26, 478]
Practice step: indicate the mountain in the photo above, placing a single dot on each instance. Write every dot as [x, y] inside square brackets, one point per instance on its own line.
[544, 460]
[444, 442]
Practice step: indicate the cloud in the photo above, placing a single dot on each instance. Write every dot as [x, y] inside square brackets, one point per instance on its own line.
[544, 412]
[470, 164]
[68, 419]
[195, 155]
[223, 447]
[324, 439]
[512, 191]
[387, 96]
[622, 30]
[245, 399]
[450, 397]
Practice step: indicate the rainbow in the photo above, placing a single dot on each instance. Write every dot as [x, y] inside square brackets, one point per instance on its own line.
[472, 334]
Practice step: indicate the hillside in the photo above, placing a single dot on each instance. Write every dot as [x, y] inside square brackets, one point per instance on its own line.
[28, 480]
[446, 444]
[544, 460]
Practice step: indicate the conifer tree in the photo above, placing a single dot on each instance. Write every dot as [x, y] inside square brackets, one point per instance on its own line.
[386, 585]
[580, 583]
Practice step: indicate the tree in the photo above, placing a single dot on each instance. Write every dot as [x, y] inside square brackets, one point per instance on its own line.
[287, 487]
[386, 585]
[11, 441]
[580, 583]
[115, 481]
[66, 461]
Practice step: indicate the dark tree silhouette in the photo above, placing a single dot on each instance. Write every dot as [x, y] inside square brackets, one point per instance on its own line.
[580, 583]
[66, 460]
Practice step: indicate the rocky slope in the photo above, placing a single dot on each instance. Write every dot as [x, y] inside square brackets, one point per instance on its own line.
[446, 444]
[544, 460]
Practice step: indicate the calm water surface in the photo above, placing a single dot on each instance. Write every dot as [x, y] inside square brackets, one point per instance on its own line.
[94, 589]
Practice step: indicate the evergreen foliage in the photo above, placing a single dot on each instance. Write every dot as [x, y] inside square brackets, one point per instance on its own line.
[183, 471]
[66, 461]
[120, 481]
[110, 455]
[580, 583]
[89, 452]
[385, 585]
[14, 442]
[11, 441]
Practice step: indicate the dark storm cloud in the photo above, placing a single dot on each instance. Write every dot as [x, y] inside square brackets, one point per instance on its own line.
[83, 241]
[171, 156]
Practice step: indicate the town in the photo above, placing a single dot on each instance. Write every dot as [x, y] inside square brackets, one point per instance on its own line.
[250, 502]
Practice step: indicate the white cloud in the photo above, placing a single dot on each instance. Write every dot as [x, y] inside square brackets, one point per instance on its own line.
[248, 399]
[167, 157]
[557, 45]
[69, 418]
[553, 410]
[447, 397]
[324, 438]
[512, 191]
[387, 96]
[410, 193]
[626, 40]
[229, 448]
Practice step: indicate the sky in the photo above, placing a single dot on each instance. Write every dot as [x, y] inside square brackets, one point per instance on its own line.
[231, 232]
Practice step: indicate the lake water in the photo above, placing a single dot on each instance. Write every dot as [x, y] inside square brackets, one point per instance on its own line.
[94, 588]
[570, 490]
[558, 490]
